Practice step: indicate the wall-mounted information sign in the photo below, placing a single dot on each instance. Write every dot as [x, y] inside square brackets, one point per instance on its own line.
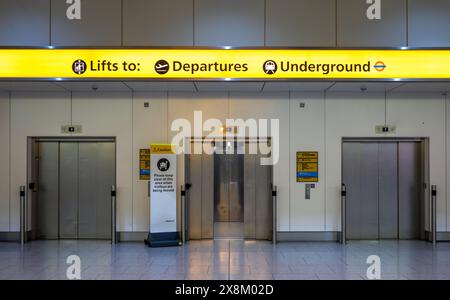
[144, 164]
[307, 166]
[191, 64]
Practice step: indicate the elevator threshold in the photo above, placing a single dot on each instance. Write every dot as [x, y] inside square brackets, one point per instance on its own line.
[229, 230]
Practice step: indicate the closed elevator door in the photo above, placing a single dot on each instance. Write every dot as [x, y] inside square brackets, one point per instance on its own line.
[384, 186]
[74, 182]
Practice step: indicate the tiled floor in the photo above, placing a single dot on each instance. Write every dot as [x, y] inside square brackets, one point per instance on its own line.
[225, 259]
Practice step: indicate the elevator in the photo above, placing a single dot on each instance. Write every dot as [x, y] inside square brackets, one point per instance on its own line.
[230, 195]
[70, 185]
[385, 184]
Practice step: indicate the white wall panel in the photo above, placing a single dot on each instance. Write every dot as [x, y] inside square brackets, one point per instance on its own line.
[423, 115]
[110, 114]
[270, 106]
[307, 133]
[4, 161]
[346, 115]
[149, 126]
[32, 114]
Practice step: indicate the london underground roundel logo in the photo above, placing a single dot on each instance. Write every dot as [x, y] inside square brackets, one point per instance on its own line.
[270, 67]
[379, 66]
[79, 66]
[161, 67]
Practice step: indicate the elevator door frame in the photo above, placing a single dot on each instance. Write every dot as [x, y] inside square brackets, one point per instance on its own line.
[32, 141]
[425, 212]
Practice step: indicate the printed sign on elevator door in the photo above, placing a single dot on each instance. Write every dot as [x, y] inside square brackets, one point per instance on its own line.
[307, 166]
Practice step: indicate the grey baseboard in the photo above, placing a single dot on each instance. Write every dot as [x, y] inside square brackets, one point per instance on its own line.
[307, 236]
[12, 236]
[127, 236]
[443, 236]
[9, 236]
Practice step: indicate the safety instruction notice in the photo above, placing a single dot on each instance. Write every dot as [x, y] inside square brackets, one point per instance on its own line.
[163, 197]
[144, 164]
[307, 166]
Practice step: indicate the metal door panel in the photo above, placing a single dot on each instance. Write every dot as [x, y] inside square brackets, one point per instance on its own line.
[207, 192]
[249, 196]
[106, 177]
[263, 199]
[388, 184]
[221, 187]
[409, 190]
[236, 191]
[68, 192]
[352, 179]
[369, 191]
[87, 190]
[48, 185]
[195, 197]
[96, 175]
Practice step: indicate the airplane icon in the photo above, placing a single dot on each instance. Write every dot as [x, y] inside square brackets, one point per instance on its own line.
[159, 66]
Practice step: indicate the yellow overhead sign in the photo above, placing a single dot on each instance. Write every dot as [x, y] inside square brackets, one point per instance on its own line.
[186, 64]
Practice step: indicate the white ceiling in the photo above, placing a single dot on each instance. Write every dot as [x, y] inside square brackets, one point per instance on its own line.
[241, 86]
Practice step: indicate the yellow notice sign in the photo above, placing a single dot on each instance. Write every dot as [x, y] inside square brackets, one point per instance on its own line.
[144, 164]
[162, 149]
[187, 64]
[308, 166]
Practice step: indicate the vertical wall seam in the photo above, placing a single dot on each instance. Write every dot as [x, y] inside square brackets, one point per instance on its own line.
[167, 116]
[132, 159]
[324, 159]
[50, 22]
[446, 162]
[335, 24]
[289, 165]
[265, 20]
[193, 23]
[9, 165]
[121, 24]
[407, 23]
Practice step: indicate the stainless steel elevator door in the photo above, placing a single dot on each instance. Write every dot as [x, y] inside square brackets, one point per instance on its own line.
[68, 191]
[360, 164]
[383, 181]
[388, 190]
[96, 175]
[228, 185]
[74, 180]
[48, 196]
[409, 193]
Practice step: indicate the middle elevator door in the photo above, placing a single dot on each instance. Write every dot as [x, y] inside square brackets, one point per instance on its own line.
[229, 192]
